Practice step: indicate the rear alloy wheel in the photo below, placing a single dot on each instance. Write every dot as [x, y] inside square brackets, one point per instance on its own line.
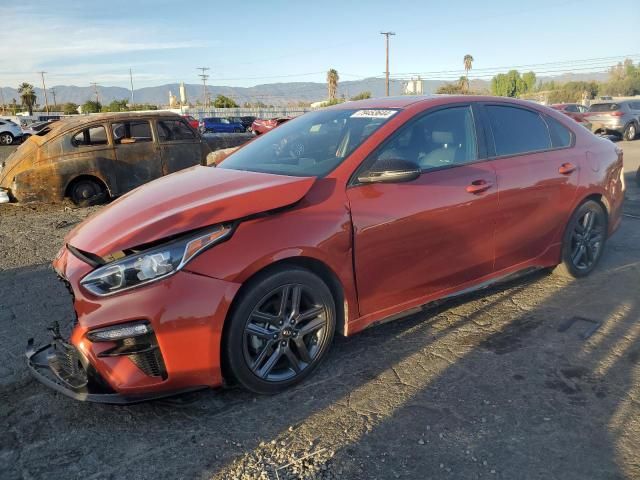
[630, 132]
[87, 192]
[6, 138]
[281, 330]
[584, 240]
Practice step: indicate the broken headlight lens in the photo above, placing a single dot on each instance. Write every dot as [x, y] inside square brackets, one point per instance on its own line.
[150, 265]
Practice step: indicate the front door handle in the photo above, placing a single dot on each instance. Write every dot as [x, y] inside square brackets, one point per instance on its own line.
[567, 168]
[478, 186]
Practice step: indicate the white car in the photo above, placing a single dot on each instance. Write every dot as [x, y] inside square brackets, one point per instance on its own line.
[9, 132]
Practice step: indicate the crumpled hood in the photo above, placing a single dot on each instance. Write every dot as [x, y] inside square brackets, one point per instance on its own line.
[190, 199]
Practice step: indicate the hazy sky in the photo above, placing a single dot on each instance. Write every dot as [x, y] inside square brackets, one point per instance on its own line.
[253, 42]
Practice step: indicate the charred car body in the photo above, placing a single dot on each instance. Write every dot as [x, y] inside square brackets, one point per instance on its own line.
[94, 158]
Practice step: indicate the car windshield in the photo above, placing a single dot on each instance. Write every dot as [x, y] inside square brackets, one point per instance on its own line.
[604, 107]
[311, 145]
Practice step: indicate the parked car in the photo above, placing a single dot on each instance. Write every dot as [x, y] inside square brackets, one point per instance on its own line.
[192, 121]
[618, 118]
[37, 128]
[91, 159]
[220, 125]
[10, 132]
[260, 126]
[253, 265]
[245, 121]
[575, 111]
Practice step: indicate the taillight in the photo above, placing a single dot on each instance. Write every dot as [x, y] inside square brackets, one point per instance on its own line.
[617, 114]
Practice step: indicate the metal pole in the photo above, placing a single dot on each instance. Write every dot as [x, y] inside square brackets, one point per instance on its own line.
[204, 78]
[131, 79]
[53, 92]
[386, 34]
[95, 89]
[44, 87]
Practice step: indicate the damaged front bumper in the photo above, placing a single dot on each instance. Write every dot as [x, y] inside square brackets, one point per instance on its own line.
[62, 367]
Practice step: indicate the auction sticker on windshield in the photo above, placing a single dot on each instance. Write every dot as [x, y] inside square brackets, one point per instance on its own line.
[373, 113]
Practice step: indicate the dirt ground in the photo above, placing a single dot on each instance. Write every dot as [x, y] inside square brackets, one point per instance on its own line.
[483, 387]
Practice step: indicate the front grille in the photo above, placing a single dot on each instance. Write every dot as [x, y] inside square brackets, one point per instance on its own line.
[66, 363]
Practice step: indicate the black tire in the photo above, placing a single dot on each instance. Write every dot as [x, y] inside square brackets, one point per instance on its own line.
[265, 347]
[584, 240]
[86, 192]
[630, 132]
[6, 138]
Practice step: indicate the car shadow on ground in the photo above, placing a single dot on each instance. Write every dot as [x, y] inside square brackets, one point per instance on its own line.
[481, 386]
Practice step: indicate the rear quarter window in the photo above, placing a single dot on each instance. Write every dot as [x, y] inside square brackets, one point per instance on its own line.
[517, 130]
[561, 136]
[604, 107]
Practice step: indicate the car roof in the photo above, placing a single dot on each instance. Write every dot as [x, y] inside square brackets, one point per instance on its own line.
[404, 101]
[71, 122]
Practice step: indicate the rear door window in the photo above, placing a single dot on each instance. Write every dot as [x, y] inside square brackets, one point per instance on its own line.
[174, 130]
[132, 132]
[604, 107]
[517, 130]
[90, 137]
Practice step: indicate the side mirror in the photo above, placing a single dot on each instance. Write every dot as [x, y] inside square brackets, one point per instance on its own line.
[393, 170]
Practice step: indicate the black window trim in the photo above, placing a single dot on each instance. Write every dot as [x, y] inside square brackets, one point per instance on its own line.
[491, 149]
[480, 132]
[88, 127]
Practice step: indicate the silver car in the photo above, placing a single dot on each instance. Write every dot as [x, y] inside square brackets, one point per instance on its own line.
[9, 132]
[619, 118]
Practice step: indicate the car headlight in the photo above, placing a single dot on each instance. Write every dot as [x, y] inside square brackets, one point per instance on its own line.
[151, 265]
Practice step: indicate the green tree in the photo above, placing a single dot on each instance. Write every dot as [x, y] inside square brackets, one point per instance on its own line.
[117, 106]
[362, 96]
[27, 95]
[450, 89]
[224, 102]
[70, 108]
[468, 65]
[332, 83]
[508, 84]
[529, 80]
[91, 106]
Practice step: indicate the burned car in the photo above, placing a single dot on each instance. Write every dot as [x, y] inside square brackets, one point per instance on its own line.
[92, 158]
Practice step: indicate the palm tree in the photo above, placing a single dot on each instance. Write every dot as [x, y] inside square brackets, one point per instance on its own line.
[27, 95]
[468, 64]
[332, 83]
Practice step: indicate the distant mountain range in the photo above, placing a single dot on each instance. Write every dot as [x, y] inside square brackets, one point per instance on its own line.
[270, 94]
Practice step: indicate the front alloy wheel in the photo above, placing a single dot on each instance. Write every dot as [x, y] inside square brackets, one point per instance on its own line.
[281, 330]
[6, 139]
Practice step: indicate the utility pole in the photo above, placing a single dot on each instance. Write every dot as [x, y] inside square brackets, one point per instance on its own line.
[2, 97]
[386, 34]
[95, 89]
[53, 92]
[44, 87]
[204, 76]
[131, 79]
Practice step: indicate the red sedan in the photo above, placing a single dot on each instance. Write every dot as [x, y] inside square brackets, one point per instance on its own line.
[260, 126]
[575, 111]
[192, 121]
[337, 220]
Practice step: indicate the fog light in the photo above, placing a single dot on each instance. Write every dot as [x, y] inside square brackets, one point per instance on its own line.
[119, 332]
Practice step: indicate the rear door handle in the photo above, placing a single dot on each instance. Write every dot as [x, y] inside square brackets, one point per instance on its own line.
[478, 186]
[567, 168]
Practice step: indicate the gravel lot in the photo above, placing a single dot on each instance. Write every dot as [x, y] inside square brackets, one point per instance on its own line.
[484, 387]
